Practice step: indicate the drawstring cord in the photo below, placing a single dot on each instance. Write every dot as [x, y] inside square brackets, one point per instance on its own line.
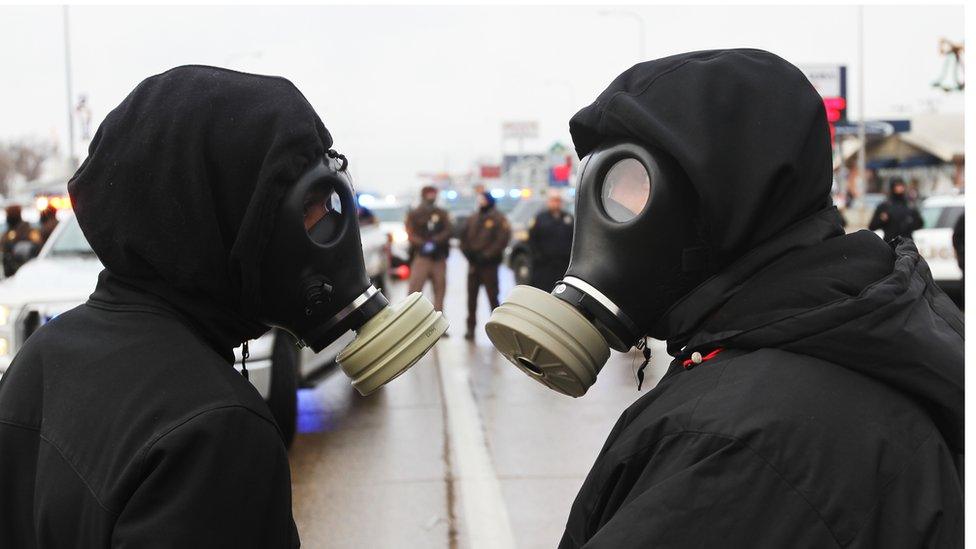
[643, 346]
[343, 162]
[244, 356]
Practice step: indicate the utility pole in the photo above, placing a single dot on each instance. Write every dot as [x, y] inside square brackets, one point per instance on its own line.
[72, 159]
[861, 134]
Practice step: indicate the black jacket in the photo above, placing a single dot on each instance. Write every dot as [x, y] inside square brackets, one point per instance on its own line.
[832, 416]
[551, 241]
[122, 427]
[832, 413]
[959, 241]
[896, 217]
[123, 422]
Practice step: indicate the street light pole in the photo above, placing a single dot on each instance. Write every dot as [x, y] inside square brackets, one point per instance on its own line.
[861, 163]
[68, 91]
[641, 29]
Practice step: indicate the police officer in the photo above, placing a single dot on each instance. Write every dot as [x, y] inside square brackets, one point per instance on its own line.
[550, 238]
[20, 242]
[429, 232]
[483, 242]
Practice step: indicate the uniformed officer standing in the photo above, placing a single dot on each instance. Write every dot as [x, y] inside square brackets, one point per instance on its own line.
[550, 239]
[21, 242]
[483, 242]
[429, 232]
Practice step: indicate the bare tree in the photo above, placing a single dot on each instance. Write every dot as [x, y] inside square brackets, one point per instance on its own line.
[29, 156]
[6, 169]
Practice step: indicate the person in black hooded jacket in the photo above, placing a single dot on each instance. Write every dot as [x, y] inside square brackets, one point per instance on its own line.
[816, 395]
[896, 216]
[123, 422]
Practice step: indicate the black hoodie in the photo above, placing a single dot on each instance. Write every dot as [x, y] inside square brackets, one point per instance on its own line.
[816, 397]
[123, 422]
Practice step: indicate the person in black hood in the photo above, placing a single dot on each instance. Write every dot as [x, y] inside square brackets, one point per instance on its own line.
[896, 216]
[123, 422]
[816, 394]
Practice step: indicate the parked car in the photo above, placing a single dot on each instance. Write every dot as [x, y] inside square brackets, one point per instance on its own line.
[934, 240]
[65, 272]
[518, 254]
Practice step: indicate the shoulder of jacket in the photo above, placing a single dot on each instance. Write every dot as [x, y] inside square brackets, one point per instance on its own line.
[204, 419]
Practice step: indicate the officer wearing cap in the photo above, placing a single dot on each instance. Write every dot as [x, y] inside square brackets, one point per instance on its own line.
[429, 232]
[483, 243]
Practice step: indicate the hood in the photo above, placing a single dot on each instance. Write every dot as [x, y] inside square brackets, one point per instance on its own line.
[746, 127]
[861, 303]
[181, 185]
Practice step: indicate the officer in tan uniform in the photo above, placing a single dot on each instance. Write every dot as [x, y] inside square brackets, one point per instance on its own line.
[483, 243]
[429, 232]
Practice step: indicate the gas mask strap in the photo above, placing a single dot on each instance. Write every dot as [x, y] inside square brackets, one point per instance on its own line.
[245, 354]
[343, 162]
[646, 349]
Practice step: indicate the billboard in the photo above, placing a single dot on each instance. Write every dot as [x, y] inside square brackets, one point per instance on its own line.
[828, 80]
[520, 129]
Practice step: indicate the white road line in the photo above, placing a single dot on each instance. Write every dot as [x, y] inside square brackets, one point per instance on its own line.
[485, 514]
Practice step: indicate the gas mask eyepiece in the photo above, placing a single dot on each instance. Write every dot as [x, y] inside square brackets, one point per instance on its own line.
[633, 226]
[315, 284]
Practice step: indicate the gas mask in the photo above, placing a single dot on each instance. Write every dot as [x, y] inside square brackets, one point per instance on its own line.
[636, 250]
[315, 286]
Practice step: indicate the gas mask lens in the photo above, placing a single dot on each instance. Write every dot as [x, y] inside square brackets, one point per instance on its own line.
[626, 190]
[321, 210]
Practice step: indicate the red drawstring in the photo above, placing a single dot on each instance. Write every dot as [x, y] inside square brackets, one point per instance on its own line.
[697, 358]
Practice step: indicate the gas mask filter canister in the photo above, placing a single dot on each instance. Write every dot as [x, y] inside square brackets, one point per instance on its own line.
[628, 197]
[315, 285]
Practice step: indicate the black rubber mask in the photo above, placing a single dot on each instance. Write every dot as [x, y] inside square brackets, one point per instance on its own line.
[315, 283]
[635, 252]
[636, 245]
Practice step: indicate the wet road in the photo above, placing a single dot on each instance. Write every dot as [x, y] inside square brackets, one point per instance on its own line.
[462, 451]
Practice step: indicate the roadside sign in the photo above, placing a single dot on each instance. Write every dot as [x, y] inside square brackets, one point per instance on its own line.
[520, 129]
[828, 80]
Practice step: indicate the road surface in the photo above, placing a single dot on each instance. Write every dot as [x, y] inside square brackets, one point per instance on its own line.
[462, 451]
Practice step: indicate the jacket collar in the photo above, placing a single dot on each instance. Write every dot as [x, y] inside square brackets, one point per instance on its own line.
[685, 317]
[221, 329]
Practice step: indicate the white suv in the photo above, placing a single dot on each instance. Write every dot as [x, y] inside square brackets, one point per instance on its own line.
[64, 274]
[934, 240]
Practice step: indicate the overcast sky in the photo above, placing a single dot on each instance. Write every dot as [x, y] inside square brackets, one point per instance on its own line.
[408, 90]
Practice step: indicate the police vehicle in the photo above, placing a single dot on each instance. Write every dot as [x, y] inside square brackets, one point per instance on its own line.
[934, 240]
